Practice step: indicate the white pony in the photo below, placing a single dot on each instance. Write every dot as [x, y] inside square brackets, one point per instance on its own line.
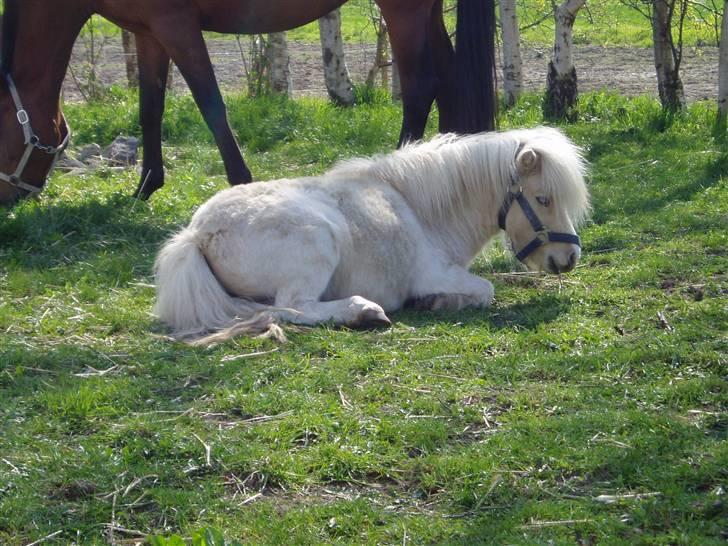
[353, 244]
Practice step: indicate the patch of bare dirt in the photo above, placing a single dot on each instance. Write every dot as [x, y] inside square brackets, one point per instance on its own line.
[629, 71]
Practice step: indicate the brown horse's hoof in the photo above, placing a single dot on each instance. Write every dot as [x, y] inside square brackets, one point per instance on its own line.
[148, 184]
[243, 177]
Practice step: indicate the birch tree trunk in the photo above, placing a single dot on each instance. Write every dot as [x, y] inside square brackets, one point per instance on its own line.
[336, 74]
[381, 55]
[256, 71]
[723, 70]
[667, 54]
[279, 64]
[170, 75]
[561, 89]
[130, 58]
[396, 86]
[512, 65]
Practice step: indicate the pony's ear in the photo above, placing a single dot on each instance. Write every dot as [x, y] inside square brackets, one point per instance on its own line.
[527, 161]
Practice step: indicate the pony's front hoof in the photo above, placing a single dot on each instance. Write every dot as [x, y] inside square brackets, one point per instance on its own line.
[370, 319]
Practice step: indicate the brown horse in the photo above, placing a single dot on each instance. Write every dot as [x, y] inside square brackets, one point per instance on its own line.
[38, 37]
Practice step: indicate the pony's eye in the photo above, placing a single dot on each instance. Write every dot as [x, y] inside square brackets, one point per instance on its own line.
[543, 200]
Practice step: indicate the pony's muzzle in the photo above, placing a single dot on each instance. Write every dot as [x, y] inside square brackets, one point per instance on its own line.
[563, 263]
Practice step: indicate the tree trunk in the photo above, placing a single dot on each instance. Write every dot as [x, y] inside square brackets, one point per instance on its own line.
[396, 87]
[170, 75]
[336, 74]
[279, 64]
[561, 89]
[512, 71]
[130, 56]
[667, 56]
[723, 69]
[380, 57]
[256, 72]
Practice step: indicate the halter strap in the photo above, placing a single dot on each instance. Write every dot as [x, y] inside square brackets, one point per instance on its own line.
[543, 234]
[31, 141]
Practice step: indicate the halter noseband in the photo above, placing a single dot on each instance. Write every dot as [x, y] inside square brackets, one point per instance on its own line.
[32, 142]
[543, 234]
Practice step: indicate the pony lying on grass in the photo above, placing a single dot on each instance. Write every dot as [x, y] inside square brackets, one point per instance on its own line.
[353, 244]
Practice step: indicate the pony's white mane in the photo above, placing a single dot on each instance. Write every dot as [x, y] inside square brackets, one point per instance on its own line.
[439, 175]
[563, 167]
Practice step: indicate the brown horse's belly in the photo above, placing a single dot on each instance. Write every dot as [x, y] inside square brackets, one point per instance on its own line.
[261, 16]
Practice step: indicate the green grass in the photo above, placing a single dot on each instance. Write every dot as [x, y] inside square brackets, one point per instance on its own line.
[612, 23]
[459, 428]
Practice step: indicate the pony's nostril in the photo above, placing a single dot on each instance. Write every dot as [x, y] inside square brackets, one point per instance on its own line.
[572, 262]
[552, 265]
[557, 267]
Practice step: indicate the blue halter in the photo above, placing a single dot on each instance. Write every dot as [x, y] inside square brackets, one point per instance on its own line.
[543, 234]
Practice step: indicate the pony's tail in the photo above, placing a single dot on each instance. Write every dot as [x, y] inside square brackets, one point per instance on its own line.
[191, 300]
[475, 66]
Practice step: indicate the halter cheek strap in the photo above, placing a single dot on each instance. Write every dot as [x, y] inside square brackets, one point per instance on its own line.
[32, 142]
[543, 234]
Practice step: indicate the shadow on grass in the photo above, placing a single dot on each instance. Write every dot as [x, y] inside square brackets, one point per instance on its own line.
[67, 367]
[35, 236]
[663, 179]
[694, 184]
[529, 315]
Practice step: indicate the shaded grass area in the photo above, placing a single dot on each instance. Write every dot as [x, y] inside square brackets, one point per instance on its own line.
[496, 426]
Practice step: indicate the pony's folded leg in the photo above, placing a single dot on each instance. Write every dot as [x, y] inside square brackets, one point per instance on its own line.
[446, 302]
[440, 302]
[354, 312]
[452, 289]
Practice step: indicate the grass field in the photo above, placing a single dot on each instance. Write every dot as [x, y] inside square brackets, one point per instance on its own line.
[586, 411]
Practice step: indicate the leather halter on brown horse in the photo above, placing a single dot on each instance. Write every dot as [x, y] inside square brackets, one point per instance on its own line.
[38, 37]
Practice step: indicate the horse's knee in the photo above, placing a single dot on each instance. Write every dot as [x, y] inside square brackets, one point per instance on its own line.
[419, 96]
[417, 102]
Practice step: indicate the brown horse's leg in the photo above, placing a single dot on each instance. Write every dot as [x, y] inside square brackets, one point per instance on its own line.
[408, 35]
[153, 68]
[182, 38]
[443, 56]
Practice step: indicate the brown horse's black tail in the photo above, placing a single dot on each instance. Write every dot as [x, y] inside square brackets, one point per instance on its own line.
[475, 66]
[8, 30]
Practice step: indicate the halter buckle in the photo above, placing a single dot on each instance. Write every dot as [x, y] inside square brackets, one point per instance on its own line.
[23, 117]
[543, 235]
